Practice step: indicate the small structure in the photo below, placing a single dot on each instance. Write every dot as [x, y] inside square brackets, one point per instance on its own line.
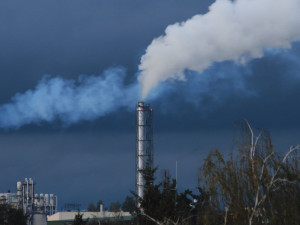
[65, 218]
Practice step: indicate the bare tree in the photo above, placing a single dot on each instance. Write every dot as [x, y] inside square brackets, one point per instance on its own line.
[242, 188]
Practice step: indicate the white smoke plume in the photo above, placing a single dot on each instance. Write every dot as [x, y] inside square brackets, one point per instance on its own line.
[232, 30]
[70, 101]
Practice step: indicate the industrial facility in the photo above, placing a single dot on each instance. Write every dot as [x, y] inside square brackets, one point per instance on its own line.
[144, 159]
[36, 206]
[42, 208]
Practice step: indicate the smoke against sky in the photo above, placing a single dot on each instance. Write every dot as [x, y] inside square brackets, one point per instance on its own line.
[89, 97]
[70, 101]
[237, 31]
[231, 30]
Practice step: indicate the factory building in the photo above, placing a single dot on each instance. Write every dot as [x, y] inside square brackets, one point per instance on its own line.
[67, 218]
[36, 206]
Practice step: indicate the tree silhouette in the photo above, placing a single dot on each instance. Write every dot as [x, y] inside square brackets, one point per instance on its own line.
[78, 220]
[12, 216]
[128, 205]
[162, 204]
[91, 207]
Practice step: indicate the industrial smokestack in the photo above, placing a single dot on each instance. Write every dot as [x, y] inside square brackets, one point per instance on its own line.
[144, 144]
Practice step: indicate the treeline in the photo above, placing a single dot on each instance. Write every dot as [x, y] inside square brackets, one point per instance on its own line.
[253, 185]
[127, 206]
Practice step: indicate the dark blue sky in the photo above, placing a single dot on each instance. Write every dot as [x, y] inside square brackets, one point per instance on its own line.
[95, 159]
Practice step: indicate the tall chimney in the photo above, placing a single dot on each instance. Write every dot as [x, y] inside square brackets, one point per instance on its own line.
[144, 144]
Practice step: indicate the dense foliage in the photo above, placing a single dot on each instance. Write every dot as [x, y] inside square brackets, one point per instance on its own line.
[162, 204]
[128, 205]
[11, 216]
[92, 208]
[79, 221]
[253, 185]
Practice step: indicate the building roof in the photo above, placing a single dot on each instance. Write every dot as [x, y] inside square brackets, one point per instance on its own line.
[69, 216]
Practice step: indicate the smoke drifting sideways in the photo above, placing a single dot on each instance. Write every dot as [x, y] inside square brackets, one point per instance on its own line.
[70, 101]
[237, 30]
[231, 31]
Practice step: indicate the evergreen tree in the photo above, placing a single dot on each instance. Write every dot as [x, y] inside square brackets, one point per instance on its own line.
[128, 205]
[91, 207]
[161, 203]
[115, 206]
[79, 221]
[12, 216]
